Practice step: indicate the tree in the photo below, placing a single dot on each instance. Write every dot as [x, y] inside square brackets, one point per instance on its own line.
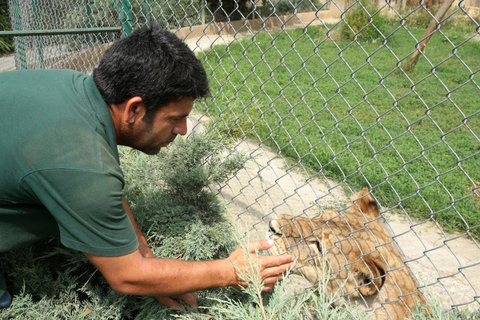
[428, 33]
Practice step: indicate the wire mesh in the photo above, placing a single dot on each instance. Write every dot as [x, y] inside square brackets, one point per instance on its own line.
[320, 94]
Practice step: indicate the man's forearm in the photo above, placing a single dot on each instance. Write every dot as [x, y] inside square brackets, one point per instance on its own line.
[178, 276]
[172, 277]
[134, 274]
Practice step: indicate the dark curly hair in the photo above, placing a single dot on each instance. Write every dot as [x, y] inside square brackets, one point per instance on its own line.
[151, 63]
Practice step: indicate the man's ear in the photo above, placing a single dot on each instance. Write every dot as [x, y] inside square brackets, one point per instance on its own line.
[134, 110]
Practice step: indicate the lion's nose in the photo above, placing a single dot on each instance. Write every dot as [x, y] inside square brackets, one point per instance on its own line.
[274, 227]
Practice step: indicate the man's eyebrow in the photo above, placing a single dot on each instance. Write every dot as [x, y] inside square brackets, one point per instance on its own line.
[180, 116]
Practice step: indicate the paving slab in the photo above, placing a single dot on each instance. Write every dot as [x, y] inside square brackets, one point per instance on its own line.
[7, 62]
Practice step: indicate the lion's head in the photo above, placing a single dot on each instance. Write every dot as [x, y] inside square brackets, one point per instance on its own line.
[359, 253]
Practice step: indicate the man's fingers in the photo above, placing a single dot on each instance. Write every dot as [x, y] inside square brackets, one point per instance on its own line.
[270, 279]
[272, 275]
[268, 287]
[277, 261]
[275, 271]
[170, 303]
[259, 245]
[272, 268]
[278, 267]
[190, 299]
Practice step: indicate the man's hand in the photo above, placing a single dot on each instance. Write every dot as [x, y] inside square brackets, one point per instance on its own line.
[272, 268]
[171, 302]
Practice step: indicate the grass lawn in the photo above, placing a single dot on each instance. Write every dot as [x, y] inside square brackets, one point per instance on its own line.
[346, 110]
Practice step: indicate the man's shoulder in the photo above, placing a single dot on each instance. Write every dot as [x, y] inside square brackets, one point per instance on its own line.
[39, 83]
[40, 73]
[56, 124]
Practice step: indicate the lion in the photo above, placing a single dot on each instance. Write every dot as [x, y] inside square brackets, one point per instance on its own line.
[359, 254]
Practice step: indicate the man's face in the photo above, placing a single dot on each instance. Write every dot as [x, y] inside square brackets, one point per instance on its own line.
[169, 121]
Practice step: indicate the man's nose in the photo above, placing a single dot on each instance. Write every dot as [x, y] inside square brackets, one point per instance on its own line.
[180, 127]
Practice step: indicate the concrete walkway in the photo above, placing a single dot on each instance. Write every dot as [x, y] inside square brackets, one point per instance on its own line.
[7, 62]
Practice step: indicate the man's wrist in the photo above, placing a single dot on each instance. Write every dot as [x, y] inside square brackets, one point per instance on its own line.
[229, 274]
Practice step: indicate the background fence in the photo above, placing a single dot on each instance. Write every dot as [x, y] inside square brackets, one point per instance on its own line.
[326, 97]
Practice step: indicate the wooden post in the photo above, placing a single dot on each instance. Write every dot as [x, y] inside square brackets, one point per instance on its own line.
[428, 33]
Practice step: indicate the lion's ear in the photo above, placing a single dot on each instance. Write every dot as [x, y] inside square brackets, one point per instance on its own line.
[369, 275]
[365, 203]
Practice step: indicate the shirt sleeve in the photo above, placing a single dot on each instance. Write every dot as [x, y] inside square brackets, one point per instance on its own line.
[88, 208]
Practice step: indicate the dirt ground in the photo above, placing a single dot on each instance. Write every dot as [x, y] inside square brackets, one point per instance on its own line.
[447, 267]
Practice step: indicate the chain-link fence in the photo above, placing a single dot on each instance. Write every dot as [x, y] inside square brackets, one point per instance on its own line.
[328, 98]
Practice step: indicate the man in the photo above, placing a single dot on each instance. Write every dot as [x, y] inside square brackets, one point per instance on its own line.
[60, 173]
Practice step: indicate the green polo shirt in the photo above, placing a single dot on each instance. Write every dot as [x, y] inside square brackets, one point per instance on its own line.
[59, 166]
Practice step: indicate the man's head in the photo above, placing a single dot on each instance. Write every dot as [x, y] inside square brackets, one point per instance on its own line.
[156, 66]
[151, 63]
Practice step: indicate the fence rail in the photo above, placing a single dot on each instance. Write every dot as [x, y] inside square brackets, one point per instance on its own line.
[321, 94]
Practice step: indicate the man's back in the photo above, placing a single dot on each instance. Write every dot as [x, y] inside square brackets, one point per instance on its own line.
[43, 117]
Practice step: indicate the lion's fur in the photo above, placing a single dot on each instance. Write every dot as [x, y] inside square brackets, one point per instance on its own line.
[358, 251]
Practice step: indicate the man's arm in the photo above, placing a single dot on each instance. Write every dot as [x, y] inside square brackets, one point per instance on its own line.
[146, 252]
[134, 274]
[143, 246]
[141, 273]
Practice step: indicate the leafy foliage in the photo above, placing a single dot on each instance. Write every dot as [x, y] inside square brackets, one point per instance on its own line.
[6, 43]
[363, 20]
[173, 204]
[229, 10]
[284, 7]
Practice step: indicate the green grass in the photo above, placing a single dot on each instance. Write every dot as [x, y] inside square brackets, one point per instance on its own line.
[347, 109]
[6, 43]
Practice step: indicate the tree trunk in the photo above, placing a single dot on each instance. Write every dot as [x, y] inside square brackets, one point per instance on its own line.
[428, 33]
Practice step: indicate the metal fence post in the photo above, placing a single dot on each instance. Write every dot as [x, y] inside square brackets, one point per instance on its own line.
[16, 19]
[38, 39]
[147, 11]
[89, 18]
[125, 16]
